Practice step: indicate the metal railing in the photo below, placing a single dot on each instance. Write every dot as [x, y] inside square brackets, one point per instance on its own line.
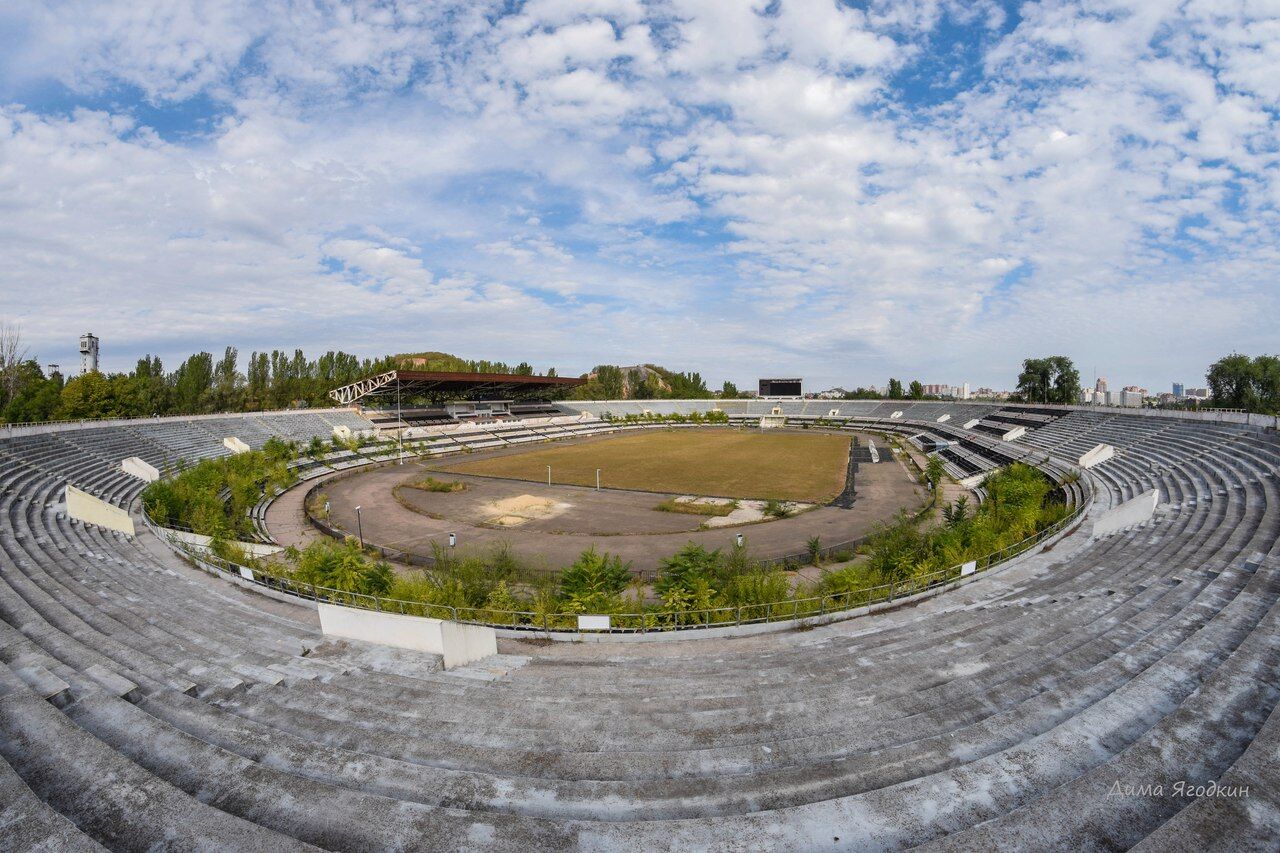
[541, 621]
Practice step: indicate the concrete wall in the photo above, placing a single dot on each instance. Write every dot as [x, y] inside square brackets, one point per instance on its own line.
[235, 445]
[1097, 455]
[1127, 514]
[457, 643]
[256, 549]
[85, 507]
[140, 468]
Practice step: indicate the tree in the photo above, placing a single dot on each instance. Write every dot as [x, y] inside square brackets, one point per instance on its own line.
[1237, 381]
[934, 471]
[1049, 380]
[728, 390]
[916, 391]
[13, 352]
[895, 389]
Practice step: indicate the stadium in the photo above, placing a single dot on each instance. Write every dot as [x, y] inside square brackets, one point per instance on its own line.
[1108, 680]
[639, 425]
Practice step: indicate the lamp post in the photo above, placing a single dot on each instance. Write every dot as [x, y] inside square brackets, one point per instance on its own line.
[399, 423]
[360, 528]
[597, 479]
[548, 475]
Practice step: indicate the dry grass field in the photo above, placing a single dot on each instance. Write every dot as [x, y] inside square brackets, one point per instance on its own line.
[808, 467]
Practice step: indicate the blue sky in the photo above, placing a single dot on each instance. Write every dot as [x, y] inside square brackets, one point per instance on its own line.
[842, 191]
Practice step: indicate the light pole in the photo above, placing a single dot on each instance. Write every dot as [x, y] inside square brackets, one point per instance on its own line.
[399, 423]
[597, 479]
[548, 475]
[360, 528]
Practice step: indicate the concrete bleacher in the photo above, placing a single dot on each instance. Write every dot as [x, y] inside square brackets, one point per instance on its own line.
[146, 706]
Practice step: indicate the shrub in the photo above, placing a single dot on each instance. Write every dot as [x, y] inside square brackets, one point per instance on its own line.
[431, 484]
[343, 566]
[776, 509]
[687, 566]
[594, 582]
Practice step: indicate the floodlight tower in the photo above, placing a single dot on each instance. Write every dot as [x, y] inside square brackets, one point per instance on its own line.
[88, 353]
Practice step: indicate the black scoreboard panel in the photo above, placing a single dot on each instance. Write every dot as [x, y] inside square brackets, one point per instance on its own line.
[780, 387]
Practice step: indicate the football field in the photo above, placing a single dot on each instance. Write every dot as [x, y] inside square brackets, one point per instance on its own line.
[792, 466]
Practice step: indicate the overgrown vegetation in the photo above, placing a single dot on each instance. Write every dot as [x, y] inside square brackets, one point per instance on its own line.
[692, 585]
[431, 484]
[213, 496]
[715, 510]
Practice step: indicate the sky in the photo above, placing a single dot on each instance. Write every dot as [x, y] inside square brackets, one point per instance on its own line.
[843, 191]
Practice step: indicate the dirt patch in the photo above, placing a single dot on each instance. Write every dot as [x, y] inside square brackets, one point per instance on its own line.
[516, 510]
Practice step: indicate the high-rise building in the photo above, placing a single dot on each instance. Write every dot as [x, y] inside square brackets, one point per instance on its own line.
[1179, 390]
[1101, 385]
[88, 353]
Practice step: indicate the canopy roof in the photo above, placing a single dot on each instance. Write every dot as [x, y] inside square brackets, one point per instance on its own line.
[440, 387]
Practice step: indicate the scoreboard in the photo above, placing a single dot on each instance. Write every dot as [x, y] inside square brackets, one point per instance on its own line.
[780, 388]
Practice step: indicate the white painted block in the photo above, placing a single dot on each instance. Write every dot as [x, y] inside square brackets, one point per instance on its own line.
[896, 415]
[968, 568]
[342, 432]
[944, 419]
[1096, 455]
[971, 424]
[1127, 514]
[1015, 433]
[246, 573]
[140, 468]
[235, 445]
[85, 507]
[590, 622]
[457, 643]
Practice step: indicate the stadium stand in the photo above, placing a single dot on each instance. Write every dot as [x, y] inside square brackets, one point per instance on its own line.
[1053, 704]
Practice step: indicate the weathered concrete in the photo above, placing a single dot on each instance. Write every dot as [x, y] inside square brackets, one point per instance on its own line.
[456, 643]
[1134, 511]
[1096, 455]
[140, 468]
[85, 507]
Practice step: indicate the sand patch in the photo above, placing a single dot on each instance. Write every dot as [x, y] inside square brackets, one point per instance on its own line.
[514, 511]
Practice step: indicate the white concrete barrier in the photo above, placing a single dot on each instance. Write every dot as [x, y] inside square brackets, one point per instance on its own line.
[235, 445]
[196, 540]
[591, 622]
[1127, 514]
[457, 643]
[972, 423]
[944, 419]
[896, 415]
[1098, 454]
[140, 468]
[341, 432]
[85, 507]
[1014, 434]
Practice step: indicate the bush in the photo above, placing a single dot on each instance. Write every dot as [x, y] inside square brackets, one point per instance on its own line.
[594, 582]
[686, 567]
[343, 566]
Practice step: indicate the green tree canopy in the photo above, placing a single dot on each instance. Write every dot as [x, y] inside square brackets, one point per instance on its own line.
[1049, 380]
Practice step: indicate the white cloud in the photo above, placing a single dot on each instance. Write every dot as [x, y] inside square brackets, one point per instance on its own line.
[725, 186]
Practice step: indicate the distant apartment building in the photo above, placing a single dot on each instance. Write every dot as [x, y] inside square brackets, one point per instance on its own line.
[958, 392]
[1101, 385]
[1179, 390]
